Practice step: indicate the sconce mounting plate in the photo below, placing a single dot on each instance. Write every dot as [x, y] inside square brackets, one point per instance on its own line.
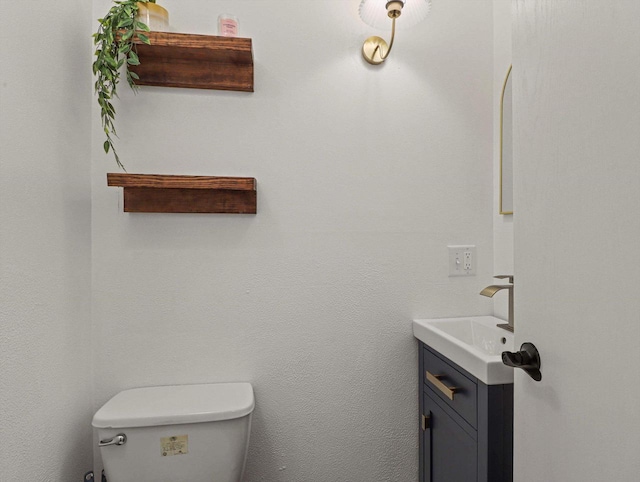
[374, 50]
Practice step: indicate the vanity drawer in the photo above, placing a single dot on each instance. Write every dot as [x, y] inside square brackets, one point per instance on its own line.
[454, 388]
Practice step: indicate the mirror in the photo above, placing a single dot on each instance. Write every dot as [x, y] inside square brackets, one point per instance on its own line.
[506, 148]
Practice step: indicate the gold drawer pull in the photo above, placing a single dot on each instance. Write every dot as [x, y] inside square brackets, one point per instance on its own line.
[435, 379]
[425, 422]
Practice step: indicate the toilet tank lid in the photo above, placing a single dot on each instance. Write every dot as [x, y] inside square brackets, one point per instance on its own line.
[176, 404]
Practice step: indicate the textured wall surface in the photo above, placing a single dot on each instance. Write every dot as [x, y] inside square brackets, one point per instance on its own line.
[364, 175]
[45, 326]
[577, 117]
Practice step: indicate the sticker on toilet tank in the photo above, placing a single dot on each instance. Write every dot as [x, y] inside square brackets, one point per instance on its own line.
[176, 445]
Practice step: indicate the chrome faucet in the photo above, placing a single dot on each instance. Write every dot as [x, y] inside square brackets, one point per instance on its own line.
[489, 291]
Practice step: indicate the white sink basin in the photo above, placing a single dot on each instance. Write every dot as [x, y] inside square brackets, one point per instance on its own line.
[475, 343]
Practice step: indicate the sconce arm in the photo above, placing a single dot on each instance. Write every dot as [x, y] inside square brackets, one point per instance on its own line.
[393, 36]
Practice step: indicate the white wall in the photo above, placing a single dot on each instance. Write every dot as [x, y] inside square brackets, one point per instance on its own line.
[502, 224]
[577, 118]
[365, 174]
[45, 339]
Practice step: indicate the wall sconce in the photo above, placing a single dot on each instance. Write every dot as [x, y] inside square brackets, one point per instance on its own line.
[375, 49]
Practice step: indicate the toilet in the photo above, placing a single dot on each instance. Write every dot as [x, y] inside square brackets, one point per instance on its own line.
[181, 433]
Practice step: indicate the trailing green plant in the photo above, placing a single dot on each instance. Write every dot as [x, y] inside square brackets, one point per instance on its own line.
[115, 48]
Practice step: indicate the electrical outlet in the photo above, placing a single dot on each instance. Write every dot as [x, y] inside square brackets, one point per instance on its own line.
[467, 264]
[462, 260]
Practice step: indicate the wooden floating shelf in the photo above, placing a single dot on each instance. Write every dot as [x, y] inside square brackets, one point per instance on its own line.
[195, 61]
[153, 193]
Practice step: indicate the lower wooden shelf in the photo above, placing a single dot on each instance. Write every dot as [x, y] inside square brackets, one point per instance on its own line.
[154, 193]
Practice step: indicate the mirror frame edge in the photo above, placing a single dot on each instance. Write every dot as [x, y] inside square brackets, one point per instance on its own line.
[504, 87]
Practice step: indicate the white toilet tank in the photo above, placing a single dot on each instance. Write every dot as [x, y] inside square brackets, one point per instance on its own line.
[182, 433]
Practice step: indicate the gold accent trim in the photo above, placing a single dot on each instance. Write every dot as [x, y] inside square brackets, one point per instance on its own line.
[425, 422]
[504, 87]
[449, 392]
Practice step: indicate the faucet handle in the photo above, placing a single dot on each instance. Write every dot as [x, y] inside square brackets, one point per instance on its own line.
[505, 276]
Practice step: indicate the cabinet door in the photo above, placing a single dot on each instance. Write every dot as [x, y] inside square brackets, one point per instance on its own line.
[450, 452]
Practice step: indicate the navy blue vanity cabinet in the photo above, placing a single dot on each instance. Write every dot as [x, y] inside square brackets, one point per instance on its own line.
[466, 432]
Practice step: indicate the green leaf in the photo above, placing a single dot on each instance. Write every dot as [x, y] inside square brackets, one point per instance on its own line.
[127, 35]
[143, 27]
[134, 75]
[124, 48]
[106, 146]
[111, 62]
[143, 38]
[133, 58]
[126, 22]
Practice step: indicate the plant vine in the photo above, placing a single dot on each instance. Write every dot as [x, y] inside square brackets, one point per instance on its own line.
[115, 47]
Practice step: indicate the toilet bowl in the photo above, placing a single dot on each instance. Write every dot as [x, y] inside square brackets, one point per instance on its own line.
[181, 433]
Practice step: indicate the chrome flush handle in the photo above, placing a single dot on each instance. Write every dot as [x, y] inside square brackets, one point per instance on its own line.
[119, 439]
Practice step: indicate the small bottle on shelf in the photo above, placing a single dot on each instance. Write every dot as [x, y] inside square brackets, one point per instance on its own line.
[227, 25]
